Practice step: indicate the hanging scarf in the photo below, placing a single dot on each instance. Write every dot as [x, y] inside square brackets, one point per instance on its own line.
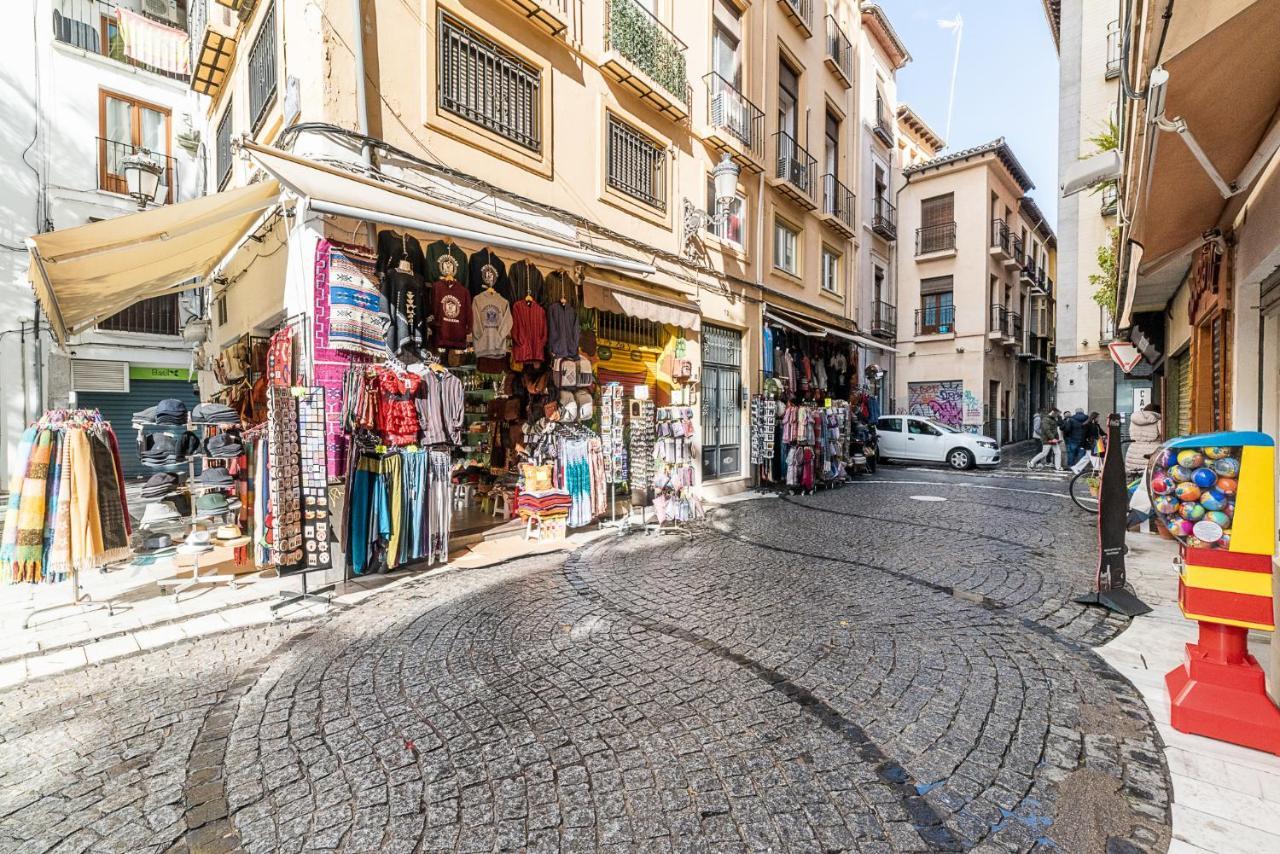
[115, 539]
[124, 499]
[60, 550]
[15, 499]
[86, 524]
[56, 457]
[28, 555]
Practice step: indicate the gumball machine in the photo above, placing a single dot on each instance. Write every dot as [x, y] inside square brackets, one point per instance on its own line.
[1215, 494]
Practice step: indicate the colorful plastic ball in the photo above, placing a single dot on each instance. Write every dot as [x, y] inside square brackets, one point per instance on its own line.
[1213, 499]
[1162, 484]
[1225, 542]
[1165, 458]
[1190, 459]
[1187, 491]
[1217, 453]
[1166, 505]
[1179, 473]
[1204, 477]
[1182, 527]
[1222, 520]
[1227, 485]
[1229, 508]
[1195, 543]
[1227, 466]
[1191, 510]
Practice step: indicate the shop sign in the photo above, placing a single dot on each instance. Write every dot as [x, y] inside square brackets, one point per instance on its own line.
[141, 372]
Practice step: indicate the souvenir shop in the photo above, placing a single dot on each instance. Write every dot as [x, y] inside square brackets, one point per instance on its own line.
[812, 400]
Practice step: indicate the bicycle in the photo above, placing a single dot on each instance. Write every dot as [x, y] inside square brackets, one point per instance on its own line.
[1086, 483]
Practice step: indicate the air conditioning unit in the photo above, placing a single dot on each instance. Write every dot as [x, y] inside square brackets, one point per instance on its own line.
[165, 10]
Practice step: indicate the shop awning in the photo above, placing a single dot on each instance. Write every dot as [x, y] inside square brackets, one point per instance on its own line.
[818, 329]
[608, 296]
[341, 193]
[85, 274]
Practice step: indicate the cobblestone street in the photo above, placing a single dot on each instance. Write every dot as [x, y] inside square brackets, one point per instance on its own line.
[855, 670]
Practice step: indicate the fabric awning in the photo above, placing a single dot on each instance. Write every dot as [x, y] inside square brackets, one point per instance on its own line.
[817, 329]
[85, 274]
[341, 193]
[606, 296]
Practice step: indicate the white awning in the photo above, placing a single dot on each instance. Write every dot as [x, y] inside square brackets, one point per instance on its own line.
[341, 193]
[607, 296]
[85, 274]
[818, 329]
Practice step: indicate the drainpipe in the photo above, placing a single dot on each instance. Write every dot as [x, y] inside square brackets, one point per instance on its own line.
[362, 99]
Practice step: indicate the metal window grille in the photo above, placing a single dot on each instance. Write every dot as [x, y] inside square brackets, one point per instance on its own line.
[624, 329]
[224, 147]
[262, 70]
[154, 316]
[721, 402]
[486, 85]
[637, 165]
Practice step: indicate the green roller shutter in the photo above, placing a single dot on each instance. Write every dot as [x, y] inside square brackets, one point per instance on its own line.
[118, 408]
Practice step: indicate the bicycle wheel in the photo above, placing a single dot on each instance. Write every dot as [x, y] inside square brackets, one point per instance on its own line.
[1084, 489]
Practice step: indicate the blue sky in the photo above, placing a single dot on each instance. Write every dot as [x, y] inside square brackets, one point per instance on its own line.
[1007, 85]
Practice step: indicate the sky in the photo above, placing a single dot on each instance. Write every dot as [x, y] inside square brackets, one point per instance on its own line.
[1007, 84]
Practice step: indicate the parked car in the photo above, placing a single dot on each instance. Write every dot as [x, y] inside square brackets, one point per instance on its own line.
[911, 437]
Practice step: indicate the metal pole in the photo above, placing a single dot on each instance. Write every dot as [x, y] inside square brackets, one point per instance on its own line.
[362, 99]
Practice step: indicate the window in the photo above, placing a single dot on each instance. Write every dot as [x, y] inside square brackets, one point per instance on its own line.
[721, 402]
[937, 225]
[831, 146]
[262, 70]
[788, 98]
[127, 126]
[937, 311]
[223, 149]
[921, 428]
[786, 243]
[489, 86]
[731, 228]
[891, 425]
[830, 270]
[726, 36]
[154, 316]
[637, 165]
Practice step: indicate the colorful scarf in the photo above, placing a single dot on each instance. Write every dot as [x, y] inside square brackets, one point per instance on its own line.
[59, 563]
[86, 524]
[15, 499]
[28, 555]
[111, 516]
[56, 458]
[124, 499]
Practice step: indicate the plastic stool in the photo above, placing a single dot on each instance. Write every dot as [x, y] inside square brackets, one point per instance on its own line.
[501, 503]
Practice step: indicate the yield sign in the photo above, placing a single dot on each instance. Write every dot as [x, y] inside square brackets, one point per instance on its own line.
[1125, 355]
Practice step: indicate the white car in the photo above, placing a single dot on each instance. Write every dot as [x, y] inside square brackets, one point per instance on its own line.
[911, 437]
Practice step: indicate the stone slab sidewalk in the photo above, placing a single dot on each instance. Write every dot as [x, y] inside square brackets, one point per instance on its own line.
[1225, 798]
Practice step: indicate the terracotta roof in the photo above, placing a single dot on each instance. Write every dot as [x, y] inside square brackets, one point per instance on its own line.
[875, 18]
[1053, 13]
[1032, 213]
[912, 121]
[997, 146]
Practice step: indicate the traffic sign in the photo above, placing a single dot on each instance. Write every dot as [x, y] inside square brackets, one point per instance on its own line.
[1125, 355]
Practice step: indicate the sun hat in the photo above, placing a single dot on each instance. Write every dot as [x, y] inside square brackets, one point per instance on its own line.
[228, 532]
[195, 543]
[159, 511]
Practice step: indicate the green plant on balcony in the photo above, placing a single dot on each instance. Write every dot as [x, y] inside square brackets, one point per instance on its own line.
[1106, 282]
[1107, 139]
[646, 44]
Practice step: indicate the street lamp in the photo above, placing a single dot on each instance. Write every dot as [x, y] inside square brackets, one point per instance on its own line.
[142, 177]
[724, 180]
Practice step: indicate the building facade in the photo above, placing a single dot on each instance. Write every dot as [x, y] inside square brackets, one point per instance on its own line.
[1087, 35]
[100, 80]
[602, 123]
[975, 338]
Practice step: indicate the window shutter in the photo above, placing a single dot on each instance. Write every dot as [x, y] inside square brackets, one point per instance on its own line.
[936, 285]
[940, 210]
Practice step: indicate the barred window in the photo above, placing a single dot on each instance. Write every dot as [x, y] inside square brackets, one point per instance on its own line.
[262, 70]
[637, 165]
[488, 86]
[223, 147]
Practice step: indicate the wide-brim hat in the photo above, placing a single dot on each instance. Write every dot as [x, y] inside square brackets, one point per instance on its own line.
[159, 511]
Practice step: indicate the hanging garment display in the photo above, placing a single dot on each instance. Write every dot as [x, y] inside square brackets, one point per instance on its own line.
[487, 270]
[357, 320]
[528, 331]
[437, 250]
[402, 267]
[562, 330]
[526, 281]
[451, 311]
[491, 324]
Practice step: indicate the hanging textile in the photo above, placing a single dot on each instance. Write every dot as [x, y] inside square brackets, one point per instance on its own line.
[154, 44]
[285, 479]
[10, 541]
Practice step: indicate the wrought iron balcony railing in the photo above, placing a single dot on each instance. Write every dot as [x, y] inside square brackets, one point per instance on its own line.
[801, 12]
[884, 218]
[730, 111]
[1000, 236]
[1000, 320]
[646, 43]
[936, 320]
[795, 165]
[839, 49]
[936, 238]
[884, 318]
[837, 200]
[884, 125]
[112, 153]
[92, 25]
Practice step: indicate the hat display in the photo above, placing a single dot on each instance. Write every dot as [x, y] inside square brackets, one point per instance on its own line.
[171, 411]
[159, 448]
[196, 543]
[215, 504]
[223, 446]
[228, 532]
[159, 485]
[159, 542]
[215, 476]
[145, 416]
[160, 511]
[215, 413]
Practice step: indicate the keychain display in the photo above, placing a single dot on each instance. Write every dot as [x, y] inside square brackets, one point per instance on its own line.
[315, 497]
[611, 433]
[641, 449]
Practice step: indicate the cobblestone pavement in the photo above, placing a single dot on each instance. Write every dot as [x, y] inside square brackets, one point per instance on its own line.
[855, 670]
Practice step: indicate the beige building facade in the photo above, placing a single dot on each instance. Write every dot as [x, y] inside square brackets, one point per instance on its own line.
[602, 123]
[975, 294]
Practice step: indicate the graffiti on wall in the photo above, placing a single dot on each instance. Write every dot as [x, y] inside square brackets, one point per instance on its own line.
[944, 400]
[972, 407]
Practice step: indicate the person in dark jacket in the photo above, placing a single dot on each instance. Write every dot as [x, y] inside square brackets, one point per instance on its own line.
[1073, 435]
[1093, 433]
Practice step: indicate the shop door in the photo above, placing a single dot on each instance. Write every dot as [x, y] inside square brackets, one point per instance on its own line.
[721, 402]
[118, 408]
[1177, 416]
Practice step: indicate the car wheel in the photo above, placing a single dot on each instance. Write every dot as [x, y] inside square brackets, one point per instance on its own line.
[960, 459]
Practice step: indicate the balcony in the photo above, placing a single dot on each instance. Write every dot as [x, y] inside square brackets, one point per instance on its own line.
[884, 218]
[1027, 272]
[1015, 328]
[883, 128]
[95, 26]
[111, 178]
[1113, 50]
[999, 328]
[938, 238]
[1015, 252]
[734, 124]
[215, 47]
[1001, 241]
[884, 319]
[838, 205]
[1039, 285]
[801, 14]
[550, 15]
[839, 56]
[647, 58]
[1110, 199]
[796, 171]
[939, 320]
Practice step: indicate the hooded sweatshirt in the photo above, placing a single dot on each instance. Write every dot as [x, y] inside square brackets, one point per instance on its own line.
[1144, 431]
[490, 324]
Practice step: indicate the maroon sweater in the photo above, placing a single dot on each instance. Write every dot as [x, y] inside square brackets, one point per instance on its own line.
[528, 331]
[451, 314]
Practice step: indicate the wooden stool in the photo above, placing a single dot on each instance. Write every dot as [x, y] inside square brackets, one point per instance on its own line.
[501, 503]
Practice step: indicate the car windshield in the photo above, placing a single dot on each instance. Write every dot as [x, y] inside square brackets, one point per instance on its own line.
[945, 428]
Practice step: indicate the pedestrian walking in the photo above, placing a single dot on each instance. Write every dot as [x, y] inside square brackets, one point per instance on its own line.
[1035, 428]
[1073, 434]
[1052, 439]
[1093, 434]
[1145, 435]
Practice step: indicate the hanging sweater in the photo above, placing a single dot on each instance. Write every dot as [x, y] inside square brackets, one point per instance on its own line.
[562, 329]
[451, 320]
[528, 331]
[491, 324]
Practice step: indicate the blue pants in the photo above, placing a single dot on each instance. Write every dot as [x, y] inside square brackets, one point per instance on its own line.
[1074, 453]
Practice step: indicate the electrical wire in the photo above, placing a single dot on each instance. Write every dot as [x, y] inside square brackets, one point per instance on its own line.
[1129, 91]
